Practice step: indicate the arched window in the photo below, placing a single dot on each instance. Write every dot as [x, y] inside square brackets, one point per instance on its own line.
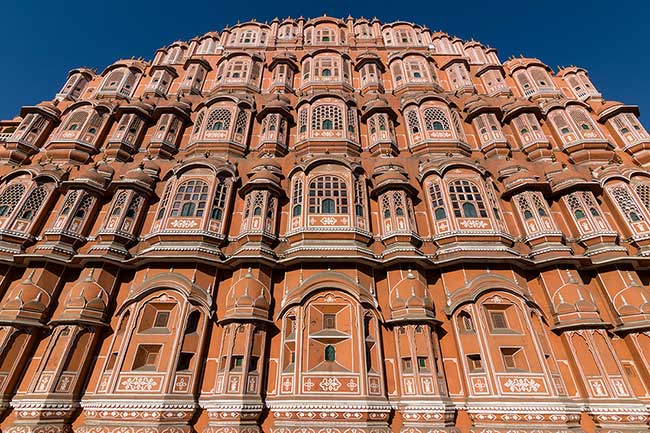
[69, 202]
[465, 322]
[10, 198]
[328, 195]
[327, 117]
[33, 204]
[113, 80]
[192, 322]
[437, 202]
[413, 121]
[297, 198]
[582, 204]
[626, 203]
[218, 120]
[302, 121]
[219, 202]
[435, 119]
[469, 210]
[190, 199]
[330, 353]
[466, 200]
[643, 192]
[76, 121]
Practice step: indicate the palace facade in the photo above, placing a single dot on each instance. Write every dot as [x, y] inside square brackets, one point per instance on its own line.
[325, 226]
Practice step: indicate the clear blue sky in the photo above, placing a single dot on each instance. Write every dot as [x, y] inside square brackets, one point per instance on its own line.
[43, 40]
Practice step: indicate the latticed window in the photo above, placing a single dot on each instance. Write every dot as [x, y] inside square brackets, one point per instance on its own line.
[33, 203]
[302, 120]
[113, 80]
[397, 72]
[328, 195]
[358, 197]
[199, 122]
[526, 123]
[132, 210]
[524, 82]
[297, 198]
[626, 203]
[415, 70]
[466, 199]
[561, 123]
[351, 120]
[372, 125]
[95, 123]
[643, 191]
[531, 203]
[398, 204]
[636, 125]
[540, 76]
[190, 199]
[435, 119]
[413, 121]
[247, 206]
[582, 120]
[327, 117]
[220, 197]
[385, 204]
[455, 118]
[327, 67]
[525, 207]
[437, 202]
[242, 120]
[218, 120]
[270, 211]
[237, 69]
[118, 207]
[70, 199]
[582, 204]
[76, 121]
[404, 36]
[10, 198]
[258, 203]
[539, 203]
[83, 207]
[164, 201]
[494, 202]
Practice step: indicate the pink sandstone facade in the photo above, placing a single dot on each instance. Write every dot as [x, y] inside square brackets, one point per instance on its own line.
[325, 226]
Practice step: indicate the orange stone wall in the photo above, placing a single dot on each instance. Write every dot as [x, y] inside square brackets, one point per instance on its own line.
[325, 226]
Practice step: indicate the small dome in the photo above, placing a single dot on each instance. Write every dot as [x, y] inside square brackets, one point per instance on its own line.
[410, 299]
[87, 293]
[27, 296]
[248, 298]
[98, 175]
[145, 173]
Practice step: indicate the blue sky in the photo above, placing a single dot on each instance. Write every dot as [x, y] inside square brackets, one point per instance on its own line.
[43, 40]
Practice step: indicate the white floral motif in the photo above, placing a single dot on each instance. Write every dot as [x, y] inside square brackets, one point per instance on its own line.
[330, 384]
[473, 224]
[181, 384]
[139, 383]
[329, 221]
[520, 384]
[183, 224]
[64, 383]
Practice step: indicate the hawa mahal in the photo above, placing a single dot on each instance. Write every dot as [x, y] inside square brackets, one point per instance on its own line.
[325, 226]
